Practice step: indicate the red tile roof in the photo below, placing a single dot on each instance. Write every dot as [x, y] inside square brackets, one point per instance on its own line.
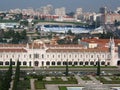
[12, 50]
[80, 50]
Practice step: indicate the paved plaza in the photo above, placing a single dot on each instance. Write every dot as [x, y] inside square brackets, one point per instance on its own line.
[78, 78]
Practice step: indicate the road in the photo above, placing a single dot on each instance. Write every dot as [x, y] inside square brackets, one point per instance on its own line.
[111, 70]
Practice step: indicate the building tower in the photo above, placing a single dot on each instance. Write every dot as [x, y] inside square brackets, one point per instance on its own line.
[103, 10]
[112, 52]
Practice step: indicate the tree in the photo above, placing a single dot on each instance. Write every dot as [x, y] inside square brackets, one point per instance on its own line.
[98, 68]
[69, 32]
[7, 78]
[17, 74]
[24, 22]
[66, 73]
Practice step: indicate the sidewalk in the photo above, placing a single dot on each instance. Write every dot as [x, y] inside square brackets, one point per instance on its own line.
[51, 87]
[93, 79]
[80, 81]
[32, 84]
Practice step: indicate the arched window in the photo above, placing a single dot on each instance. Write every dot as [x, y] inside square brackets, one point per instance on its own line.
[36, 63]
[53, 63]
[1, 63]
[42, 55]
[97, 63]
[75, 63]
[81, 63]
[70, 63]
[91, 63]
[102, 63]
[19, 63]
[86, 63]
[42, 63]
[47, 63]
[91, 56]
[64, 63]
[13, 63]
[24, 63]
[59, 63]
[6, 63]
[108, 63]
[30, 63]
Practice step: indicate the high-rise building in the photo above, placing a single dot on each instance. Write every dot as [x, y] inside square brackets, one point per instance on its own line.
[79, 11]
[60, 11]
[46, 10]
[103, 10]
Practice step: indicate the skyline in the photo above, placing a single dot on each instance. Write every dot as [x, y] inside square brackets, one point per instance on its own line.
[70, 5]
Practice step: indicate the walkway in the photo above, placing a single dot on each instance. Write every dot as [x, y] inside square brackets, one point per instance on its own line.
[80, 81]
[32, 84]
[51, 87]
[108, 79]
[93, 79]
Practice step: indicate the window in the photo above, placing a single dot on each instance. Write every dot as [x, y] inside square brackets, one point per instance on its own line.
[53, 56]
[30, 56]
[24, 56]
[19, 63]
[6, 56]
[12, 56]
[1, 63]
[53, 63]
[92, 63]
[13, 63]
[75, 63]
[58, 56]
[75, 56]
[70, 63]
[81, 63]
[47, 63]
[7, 63]
[102, 63]
[42, 55]
[86, 63]
[36, 55]
[103, 56]
[18, 56]
[64, 63]
[91, 56]
[81, 56]
[24, 63]
[59, 63]
[108, 63]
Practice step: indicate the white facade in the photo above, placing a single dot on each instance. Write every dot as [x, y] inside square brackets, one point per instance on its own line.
[38, 55]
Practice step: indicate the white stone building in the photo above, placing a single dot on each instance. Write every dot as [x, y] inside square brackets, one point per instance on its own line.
[39, 54]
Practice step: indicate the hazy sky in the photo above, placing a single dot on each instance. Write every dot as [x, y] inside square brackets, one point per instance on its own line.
[71, 5]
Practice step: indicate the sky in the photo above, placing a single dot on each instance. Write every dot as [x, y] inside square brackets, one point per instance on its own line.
[70, 5]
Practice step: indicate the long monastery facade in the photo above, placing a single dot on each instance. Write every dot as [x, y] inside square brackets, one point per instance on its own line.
[40, 54]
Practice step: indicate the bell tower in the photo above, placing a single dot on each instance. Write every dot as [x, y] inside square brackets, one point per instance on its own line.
[112, 51]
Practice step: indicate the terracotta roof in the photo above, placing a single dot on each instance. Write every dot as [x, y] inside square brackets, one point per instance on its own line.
[80, 50]
[13, 50]
[12, 45]
[101, 42]
[64, 45]
[36, 46]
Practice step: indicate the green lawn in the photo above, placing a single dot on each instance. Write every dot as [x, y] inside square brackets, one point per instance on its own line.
[41, 84]
[82, 66]
[85, 78]
[104, 81]
[23, 85]
[62, 88]
[115, 78]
